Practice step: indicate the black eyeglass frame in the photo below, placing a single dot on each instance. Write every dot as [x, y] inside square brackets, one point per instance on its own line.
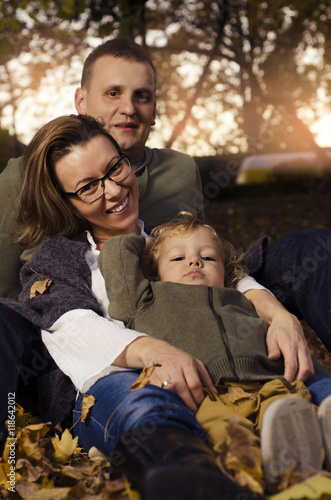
[102, 179]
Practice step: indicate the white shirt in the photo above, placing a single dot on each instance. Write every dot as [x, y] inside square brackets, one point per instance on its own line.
[83, 344]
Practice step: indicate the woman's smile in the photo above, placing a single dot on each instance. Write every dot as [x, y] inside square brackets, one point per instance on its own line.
[116, 211]
[119, 208]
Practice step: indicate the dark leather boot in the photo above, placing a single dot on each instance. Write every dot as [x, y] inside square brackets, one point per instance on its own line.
[168, 463]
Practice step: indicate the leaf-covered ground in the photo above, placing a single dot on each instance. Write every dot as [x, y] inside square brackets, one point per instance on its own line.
[48, 464]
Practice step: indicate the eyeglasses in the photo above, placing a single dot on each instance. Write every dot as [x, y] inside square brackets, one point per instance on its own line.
[93, 190]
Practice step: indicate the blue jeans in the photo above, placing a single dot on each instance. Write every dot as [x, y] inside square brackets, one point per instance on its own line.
[319, 387]
[118, 409]
[297, 270]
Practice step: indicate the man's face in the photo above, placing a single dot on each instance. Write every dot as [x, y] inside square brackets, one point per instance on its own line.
[122, 93]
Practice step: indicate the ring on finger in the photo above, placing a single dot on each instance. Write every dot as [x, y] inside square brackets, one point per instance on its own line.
[165, 383]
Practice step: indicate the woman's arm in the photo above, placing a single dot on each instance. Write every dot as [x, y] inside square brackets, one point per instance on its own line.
[84, 345]
[285, 335]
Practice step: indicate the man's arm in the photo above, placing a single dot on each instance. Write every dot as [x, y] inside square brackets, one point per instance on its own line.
[9, 253]
[285, 335]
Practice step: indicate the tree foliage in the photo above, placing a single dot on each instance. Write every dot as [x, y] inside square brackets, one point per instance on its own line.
[232, 74]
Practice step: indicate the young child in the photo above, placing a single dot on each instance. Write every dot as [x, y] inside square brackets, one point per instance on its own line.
[218, 325]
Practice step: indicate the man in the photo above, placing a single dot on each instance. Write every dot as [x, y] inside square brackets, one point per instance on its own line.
[118, 85]
[121, 91]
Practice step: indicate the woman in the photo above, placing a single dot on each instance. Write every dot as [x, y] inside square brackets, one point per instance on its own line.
[86, 194]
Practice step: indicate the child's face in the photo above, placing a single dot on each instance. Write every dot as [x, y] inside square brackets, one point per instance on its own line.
[193, 259]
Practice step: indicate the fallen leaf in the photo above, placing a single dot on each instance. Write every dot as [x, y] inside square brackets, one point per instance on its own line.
[21, 416]
[39, 287]
[32, 492]
[29, 441]
[96, 456]
[132, 494]
[237, 393]
[239, 458]
[70, 471]
[65, 446]
[87, 403]
[30, 472]
[144, 377]
[114, 486]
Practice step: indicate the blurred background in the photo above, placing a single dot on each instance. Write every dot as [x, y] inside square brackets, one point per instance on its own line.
[243, 85]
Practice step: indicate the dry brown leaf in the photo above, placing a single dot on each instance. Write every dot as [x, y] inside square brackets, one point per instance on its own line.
[132, 494]
[65, 446]
[69, 471]
[22, 417]
[35, 492]
[144, 377]
[29, 440]
[30, 472]
[114, 486]
[237, 393]
[96, 456]
[251, 478]
[238, 458]
[87, 403]
[39, 287]
[4, 470]
[292, 477]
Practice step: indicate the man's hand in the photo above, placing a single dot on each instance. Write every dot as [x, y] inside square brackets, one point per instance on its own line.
[285, 336]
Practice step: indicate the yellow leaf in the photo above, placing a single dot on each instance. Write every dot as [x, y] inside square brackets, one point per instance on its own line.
[87, 403]
[73, 472]
[29, 440]
[4, 470]
[95, 455]
[237, 393]
[64, 447]
[239, 456]
[35, 492]
[39, 287]
[144, 377]
[132, 494]
[317, 487]
[21, 417]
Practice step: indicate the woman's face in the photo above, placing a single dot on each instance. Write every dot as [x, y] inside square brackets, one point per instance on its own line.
[116, 212]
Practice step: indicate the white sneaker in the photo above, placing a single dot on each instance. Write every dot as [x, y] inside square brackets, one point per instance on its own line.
[290, 434]
[324, 415]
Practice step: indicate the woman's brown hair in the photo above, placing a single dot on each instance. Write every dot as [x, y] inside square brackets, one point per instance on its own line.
[43, 212]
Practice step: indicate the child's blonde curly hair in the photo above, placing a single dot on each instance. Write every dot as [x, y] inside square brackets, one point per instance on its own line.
[185, 222]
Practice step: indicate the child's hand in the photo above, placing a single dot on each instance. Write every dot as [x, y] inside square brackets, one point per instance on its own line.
[149, 242]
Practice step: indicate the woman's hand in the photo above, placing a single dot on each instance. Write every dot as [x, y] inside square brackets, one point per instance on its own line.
[285, 336]
[187, 374]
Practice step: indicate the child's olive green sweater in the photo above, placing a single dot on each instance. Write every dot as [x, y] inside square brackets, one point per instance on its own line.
[219, 326]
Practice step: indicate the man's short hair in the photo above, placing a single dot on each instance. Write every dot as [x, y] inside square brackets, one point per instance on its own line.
[122, 47]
